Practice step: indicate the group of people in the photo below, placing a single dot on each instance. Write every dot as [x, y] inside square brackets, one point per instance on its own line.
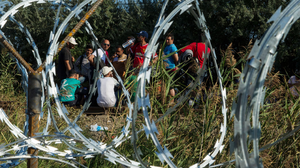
[72, 74]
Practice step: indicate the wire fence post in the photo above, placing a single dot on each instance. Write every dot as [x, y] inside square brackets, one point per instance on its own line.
[34, 110]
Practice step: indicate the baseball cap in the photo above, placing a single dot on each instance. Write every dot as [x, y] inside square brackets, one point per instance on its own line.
[73, 41]
[143, 33]
[106, 70]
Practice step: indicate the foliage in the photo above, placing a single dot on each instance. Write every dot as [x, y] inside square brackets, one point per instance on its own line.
[237, 22]
[190, 132]
[8, 75]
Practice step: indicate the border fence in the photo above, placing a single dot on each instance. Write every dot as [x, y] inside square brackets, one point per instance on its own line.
[259, 62]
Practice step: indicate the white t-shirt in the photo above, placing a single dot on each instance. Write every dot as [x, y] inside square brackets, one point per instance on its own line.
[101, 54]
[106, 93]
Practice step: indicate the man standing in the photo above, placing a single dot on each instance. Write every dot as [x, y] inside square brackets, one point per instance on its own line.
[65, 59]
[119, 61]
[85, 69]
[105, 44]
[172, 60]
[138, 50]
[107, 96]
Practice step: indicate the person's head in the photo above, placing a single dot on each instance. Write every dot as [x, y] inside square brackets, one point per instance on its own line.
[119, 50]
[142, 36]
[170, 39]
[71, 43]
[73, 74]
[105, 44]
[88, 49]
[107, 71]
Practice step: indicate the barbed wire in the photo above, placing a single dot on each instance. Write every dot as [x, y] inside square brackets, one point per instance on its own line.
[259, 62]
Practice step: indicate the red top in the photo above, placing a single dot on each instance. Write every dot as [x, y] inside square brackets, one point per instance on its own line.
[138, 51]
[197, 50]
[106, 61]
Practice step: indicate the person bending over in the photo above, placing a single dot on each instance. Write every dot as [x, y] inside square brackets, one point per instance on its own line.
[70, 91]
[191, 59]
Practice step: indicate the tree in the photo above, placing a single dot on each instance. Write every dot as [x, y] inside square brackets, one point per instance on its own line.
[235, 22]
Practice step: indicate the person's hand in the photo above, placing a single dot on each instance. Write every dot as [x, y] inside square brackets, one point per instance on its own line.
[91, 59]
[88, 54]
[73, 59]
[115, 55]
[131, 44]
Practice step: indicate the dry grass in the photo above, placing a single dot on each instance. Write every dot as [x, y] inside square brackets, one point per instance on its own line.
[189, 133]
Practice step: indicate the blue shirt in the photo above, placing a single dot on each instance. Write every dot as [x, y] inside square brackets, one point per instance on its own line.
[68, 88]
[170, 60]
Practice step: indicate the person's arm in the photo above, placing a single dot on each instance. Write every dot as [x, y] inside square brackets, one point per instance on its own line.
[127, 50]
[132, 52]
[155, 60]
[175, 57]
[117, 84]
[113, 57]
[76, 65]
[91, 59]
[67, 65]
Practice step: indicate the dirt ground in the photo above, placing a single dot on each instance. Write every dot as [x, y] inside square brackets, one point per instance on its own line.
[114, 124]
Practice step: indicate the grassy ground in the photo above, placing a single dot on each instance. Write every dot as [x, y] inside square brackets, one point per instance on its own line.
[188, 133]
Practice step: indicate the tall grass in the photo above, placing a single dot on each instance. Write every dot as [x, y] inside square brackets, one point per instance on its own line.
[191, 132]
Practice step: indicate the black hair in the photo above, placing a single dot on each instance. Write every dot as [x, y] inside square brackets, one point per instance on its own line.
[119, 46]
[72, 72]
[89, 46]
[171, 35]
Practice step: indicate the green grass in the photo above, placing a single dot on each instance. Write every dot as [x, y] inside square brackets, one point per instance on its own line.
[189, 134]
